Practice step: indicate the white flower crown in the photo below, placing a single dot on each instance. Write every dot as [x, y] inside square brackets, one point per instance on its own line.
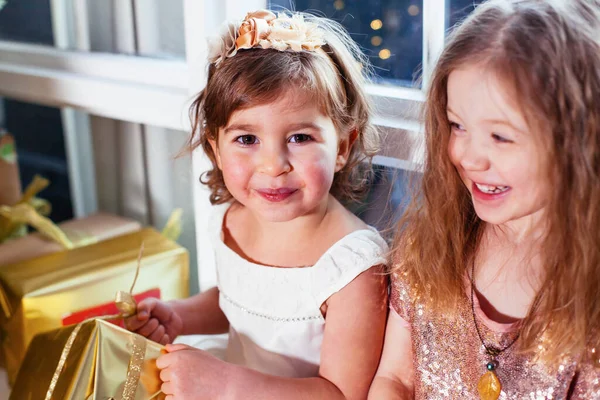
[264, 29]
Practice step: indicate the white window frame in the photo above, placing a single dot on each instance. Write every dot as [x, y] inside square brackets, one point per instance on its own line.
[158, 92]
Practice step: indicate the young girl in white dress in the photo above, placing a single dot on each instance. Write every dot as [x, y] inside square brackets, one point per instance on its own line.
[285, 120]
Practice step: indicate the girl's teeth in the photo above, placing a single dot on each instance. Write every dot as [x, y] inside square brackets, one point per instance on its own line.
[491, 189]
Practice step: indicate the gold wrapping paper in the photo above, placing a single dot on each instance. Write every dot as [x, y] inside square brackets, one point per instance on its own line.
[41, 294]
[94, 228]
[104, 362]
[10, 184]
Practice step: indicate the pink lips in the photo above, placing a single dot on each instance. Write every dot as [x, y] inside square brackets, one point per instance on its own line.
[276, 195]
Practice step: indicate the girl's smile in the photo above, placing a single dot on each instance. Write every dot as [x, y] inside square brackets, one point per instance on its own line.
[276, 195]
[497, 157]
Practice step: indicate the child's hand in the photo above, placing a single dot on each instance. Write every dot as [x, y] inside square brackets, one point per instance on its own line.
[189, 374]
[155, 320]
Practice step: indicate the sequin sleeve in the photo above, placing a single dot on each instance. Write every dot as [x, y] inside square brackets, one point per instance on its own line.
[400, 296]
[587, 383]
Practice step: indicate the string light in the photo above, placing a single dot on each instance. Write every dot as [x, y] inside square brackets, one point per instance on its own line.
[376, 24]
[384, 54]
[414, 10]
[376, 41]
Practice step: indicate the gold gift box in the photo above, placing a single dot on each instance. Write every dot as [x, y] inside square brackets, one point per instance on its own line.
[82, 231]
[103, 362]
[47, 292]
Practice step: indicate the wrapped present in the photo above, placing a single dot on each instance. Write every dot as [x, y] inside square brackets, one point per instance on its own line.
[78, 232]
[93, 361]
[70, 286]
[10, 184]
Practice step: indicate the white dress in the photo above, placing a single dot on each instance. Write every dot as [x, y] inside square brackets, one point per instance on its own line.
[276, 326]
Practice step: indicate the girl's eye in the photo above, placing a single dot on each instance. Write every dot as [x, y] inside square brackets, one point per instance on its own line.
[456, 127]
[246, 140]
[300, 138]
[500, 139]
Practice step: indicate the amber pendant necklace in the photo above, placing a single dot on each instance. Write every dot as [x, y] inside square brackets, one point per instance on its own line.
[489, 386]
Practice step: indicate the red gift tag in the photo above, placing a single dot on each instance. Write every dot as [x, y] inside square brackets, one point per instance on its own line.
[106, 309]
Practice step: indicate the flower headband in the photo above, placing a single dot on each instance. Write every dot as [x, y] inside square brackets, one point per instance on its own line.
[263, 29]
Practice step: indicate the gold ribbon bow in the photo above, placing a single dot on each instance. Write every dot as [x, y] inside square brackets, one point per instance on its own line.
[11, 221]
[127, 307]
[24, 213]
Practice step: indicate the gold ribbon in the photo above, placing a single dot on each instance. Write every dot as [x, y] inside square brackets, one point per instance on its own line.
[134, 370]
[8, 227]
[25, 214]
[127, 307]
[172, 229]
[32, 213]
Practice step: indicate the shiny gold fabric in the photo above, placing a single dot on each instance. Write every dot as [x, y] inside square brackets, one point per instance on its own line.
[36, 295]
[104, 362]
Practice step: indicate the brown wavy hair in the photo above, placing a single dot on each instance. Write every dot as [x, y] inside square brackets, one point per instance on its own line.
[335, 77]
[548, 52]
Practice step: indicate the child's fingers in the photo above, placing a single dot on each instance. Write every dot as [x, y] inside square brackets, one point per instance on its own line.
[158, 334]
[146, 307]
[161, 310]
[134, 322]
[148, 328]
[165, 340]
[167, 388]
[164, 360]
[165, 375]
[177, 347]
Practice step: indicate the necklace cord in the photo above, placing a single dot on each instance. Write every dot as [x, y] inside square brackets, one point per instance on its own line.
[491, 351]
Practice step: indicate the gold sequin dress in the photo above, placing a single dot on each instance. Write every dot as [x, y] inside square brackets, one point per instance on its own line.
[449, 358]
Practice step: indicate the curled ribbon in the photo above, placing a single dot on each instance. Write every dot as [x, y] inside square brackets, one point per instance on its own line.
[127, 307]
[25, 214]
[9, 226]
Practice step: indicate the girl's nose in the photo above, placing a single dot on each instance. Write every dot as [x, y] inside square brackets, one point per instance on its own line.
[274, 162]
[475, 162]
[471, 155]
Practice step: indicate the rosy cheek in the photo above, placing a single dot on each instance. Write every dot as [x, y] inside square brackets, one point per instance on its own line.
[453, 152]
[235, 171]
[319, 175]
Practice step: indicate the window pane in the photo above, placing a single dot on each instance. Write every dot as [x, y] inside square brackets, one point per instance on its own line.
[38, 28]
[391, 188]
[460, 9]
[152, 28]
[389, 31]
[401, 144]
[387, 199]
[40, 145]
